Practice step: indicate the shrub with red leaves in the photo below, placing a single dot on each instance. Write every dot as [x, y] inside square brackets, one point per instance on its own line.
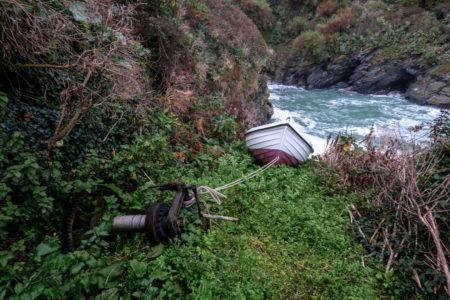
[326, 9]
[345, 19]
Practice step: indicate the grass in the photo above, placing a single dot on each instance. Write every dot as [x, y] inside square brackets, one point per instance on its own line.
[296, 234]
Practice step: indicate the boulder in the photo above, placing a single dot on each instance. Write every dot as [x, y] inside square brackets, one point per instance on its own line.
[432, 88]
[322, 75]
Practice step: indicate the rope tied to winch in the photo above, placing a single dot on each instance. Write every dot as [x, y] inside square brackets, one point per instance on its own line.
[214, 192]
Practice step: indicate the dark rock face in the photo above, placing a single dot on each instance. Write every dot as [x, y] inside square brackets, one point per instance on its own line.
[293, 75]
[320, 76]
[327, 75]
[359, 73]
[392, 75]
[263, 107]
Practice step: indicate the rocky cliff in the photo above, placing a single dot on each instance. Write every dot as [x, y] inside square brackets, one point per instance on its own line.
[362, 73]
[366, 46]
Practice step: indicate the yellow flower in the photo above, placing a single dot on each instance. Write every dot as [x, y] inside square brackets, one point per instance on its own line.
[346, 147]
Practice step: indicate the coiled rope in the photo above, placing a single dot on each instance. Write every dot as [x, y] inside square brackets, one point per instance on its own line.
[216, 195]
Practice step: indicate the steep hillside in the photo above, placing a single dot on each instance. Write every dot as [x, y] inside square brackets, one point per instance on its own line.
[105, 92]
[181, 54]
[366, 46]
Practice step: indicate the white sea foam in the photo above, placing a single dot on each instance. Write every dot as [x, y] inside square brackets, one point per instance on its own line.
[393, 94]
[406, 122]
[361, 131]
[297, 115]
[310, 124]
[280, 115]
[319, 144]
[434, 112]
[337, 102]
[396, 94]
[274, 96]
[274, 86]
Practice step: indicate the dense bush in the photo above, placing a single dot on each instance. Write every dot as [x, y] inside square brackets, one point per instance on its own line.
[344, 19]
[297, 25]
[260, 12]
[396, 32]
[310, 44]
[389, 28]
[326, 8]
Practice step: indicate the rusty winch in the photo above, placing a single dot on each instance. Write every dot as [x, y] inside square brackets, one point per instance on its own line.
[160, 223]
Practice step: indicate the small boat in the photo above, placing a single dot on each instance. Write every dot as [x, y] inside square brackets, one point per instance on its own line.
[280, 139]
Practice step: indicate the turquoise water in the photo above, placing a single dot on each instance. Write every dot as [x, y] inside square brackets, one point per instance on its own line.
[329, 111]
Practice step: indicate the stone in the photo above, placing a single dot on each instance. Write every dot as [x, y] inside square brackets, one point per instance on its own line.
[441, 100]
[340, 85]
[387, 76]
[446, 91]
[435, 86]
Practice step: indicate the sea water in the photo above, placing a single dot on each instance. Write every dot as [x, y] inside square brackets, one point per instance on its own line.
[327, 112]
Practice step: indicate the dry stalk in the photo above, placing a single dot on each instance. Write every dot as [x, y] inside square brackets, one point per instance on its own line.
[401, 178]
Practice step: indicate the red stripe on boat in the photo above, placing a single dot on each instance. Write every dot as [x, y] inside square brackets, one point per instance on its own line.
[265, 156]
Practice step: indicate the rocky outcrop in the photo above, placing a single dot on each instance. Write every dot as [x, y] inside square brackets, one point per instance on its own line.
[432, 88]
[364, 74]
[338, 70]
[263, 107]
[320, 76]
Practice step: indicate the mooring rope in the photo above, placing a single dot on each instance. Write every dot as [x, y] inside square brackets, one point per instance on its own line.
[216, 195]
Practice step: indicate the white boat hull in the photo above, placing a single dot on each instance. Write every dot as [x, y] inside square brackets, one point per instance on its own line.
[281, 139]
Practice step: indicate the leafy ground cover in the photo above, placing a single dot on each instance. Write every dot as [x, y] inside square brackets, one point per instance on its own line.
[292, 242]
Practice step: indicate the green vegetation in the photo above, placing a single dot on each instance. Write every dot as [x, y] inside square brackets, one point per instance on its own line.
[398, 31]
[297, 25]
[311, 44]
[389, 28]
[442, 70]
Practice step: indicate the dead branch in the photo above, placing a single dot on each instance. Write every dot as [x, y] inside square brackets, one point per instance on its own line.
[49, 66]
[112, 128]
[416, 276]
